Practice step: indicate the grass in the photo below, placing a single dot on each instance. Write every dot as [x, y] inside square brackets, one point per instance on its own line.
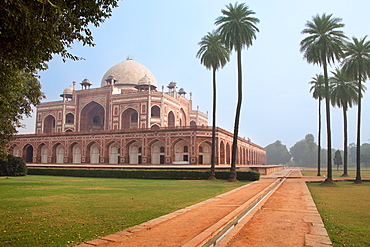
[345, 211]
[65, 211]
[351, 172]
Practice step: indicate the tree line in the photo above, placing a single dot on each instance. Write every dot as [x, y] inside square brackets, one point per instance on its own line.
[304, 153]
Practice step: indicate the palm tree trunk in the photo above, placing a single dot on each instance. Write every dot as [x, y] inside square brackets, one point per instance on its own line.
[358, 148]
[319, 142]
[212, 175]
[345, 150]
[237, 117]
[328, 129]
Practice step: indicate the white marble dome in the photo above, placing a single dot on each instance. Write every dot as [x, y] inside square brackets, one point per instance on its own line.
[128, 73]
[68, 90]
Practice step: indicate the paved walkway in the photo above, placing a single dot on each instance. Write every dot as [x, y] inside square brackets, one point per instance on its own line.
[288, 218]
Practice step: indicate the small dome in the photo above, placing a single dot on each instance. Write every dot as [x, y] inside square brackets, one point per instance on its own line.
[86, 81]
[67, 93]
[172, 84]
[68, 90]
[145, 81]
[182, 91]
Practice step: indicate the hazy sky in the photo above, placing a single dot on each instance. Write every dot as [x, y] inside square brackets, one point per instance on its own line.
[163, 35]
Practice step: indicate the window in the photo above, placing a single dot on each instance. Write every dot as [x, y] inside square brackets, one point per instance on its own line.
[161, 149]
[186, 158]
[155, 112]
[96, 120]
[200, 149]
[186, 149]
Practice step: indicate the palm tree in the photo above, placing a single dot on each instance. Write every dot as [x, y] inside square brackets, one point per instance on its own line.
[324, 46]
[237, 29]
[343, 93]
[213, 55]
[318, 92]
[356, 64]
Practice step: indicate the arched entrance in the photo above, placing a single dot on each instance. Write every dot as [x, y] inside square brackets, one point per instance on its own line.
[92, 117]
[222, 153]
[94, 153]
[59, 153]
[181, 149]
[157, 153]
[228, 152]
[135, 153]
[16, 151]
[44, 154]
[28, 154]
[76, 154]
[114, 151]
[204, 153]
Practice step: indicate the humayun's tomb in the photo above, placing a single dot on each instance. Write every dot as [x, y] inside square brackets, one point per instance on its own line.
[127, 121]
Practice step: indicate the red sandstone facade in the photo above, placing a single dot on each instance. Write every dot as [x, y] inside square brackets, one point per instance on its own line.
[127, 121]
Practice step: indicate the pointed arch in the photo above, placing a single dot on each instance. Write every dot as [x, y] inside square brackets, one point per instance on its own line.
[135, 150]
[181, 151]
[43, 153]
[155, 111]
[228, 152]
[92, 117]
[28, 153]
[94, 153]
[171, 119]
[49, 124]
[157, 152]
[204, 153]
[222, 153]
[183, 121]
[75, 150]
[70, 118]
[130, 119]
[114, 153]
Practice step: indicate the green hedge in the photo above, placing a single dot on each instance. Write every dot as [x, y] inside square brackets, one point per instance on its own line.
[142, 174]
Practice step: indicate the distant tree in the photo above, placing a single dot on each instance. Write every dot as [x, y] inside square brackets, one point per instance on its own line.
[338, 159]
[304, 151]
[318, 92]
[343, 93]
[277, 153]
[31, 32]
[237, 28]
[352, 153]
[323, 46]
[213, 55]
[356, 64]
[365, 154]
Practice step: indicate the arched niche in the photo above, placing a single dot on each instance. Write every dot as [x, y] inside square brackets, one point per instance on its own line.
[49, 124]
[171, 119]
[92, 117]
[130, 119]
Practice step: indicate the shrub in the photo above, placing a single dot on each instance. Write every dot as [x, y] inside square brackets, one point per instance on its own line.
[142, 174]
[12, 166]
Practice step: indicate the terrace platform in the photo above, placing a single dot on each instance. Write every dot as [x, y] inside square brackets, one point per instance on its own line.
[262, 169]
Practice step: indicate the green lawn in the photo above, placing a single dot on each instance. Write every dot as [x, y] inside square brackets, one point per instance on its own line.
[345, 210]
[65, 211]
[351, 172]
